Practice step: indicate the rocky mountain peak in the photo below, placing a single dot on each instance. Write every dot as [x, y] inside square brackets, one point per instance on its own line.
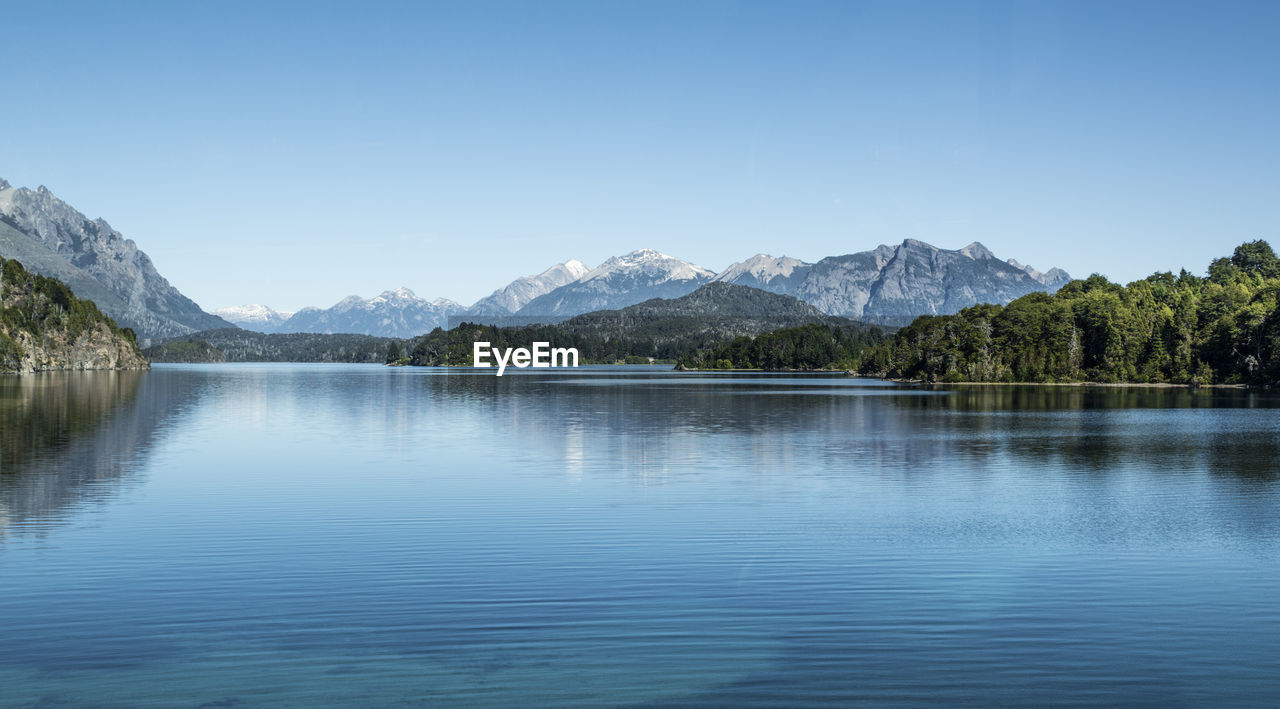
[401, 293]
[977, 252]
[763, 270]
[917, 245]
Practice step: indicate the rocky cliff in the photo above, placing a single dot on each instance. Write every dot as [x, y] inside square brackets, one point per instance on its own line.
[44, 327]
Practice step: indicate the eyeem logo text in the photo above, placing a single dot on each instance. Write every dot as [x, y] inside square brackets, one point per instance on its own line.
[541, 355]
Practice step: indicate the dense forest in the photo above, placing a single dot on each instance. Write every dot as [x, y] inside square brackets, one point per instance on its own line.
[186, 350]
[814, 346]
[235, 345]
[1223, 328]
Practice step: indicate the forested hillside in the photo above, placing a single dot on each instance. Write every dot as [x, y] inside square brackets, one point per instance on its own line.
[238, 345]
[1223, 328]
[815, 346]
[43, 326]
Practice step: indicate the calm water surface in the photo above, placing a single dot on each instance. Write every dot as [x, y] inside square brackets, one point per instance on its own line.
[311, 535]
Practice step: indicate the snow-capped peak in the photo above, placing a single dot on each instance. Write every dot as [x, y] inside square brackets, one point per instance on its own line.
[253, 312]
[762, 267]
[576, 268]
[399, 294]
[649, 262]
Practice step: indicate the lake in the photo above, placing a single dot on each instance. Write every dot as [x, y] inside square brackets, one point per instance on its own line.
[323, 535]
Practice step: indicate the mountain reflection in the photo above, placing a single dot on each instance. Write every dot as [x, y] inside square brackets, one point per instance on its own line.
[68, 439]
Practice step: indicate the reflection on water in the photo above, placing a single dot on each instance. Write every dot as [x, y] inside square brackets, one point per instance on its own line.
[281, 535]
[67, 438]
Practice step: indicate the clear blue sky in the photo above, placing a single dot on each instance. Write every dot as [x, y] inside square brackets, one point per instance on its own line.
[293, 154]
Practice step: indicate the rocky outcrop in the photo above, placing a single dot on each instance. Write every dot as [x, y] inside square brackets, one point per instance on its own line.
[95, 348]
[43, 327]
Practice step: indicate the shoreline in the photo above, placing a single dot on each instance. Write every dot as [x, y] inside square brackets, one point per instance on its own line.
[1115, 385]
[921, 382]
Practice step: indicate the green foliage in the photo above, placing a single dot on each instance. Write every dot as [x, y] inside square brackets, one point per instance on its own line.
[45, 306]
[238, 345]
[10, 353]
[395, 352]
[813, 346]
[1182, 329]
[187, 349]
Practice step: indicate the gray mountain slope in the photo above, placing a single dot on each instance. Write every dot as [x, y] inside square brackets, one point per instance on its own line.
[894, 285]
[518, 293]
[143, 299]
[777, 274]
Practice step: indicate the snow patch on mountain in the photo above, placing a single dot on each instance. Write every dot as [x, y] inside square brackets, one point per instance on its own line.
[253, 317]
[621, 281]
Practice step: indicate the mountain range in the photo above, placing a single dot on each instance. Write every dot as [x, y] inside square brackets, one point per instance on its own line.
[888, 285]
[895, 285]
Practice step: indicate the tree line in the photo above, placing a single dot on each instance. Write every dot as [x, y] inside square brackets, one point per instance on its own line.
[813, 346]
[1185, 329]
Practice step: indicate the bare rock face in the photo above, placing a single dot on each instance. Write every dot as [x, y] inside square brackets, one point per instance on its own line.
[776, 274]
[91, 252]
[894, 285]
[96, 348]
[44, 327]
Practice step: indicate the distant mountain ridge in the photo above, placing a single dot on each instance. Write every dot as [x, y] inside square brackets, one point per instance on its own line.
[886, 285]
[50, 237]
[621, 281]
[393, 313]
[254, 317]
[518, 293]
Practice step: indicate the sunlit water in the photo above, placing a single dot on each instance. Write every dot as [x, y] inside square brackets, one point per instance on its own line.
[309, 535]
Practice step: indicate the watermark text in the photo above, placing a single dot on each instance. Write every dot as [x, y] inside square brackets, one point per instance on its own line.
[541, 354]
